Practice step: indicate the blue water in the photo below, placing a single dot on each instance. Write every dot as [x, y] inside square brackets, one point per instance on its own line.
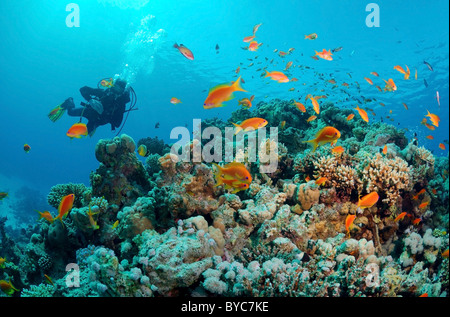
[43, 62]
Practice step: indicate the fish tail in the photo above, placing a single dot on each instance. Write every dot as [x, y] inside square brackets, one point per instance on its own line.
[238, 128]
[60, 219]
[314, 144]
[217, 174]
[237, 85]
[267, 73]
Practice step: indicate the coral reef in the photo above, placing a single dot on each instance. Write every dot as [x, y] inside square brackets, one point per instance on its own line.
[166, 229]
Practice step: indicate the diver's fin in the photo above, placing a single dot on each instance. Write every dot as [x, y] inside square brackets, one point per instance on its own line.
[56, 113]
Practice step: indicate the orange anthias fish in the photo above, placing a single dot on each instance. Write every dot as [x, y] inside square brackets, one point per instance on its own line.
[425, 123]
[77, 131]
[433, 118]
[246, 102]
[404, 72]
[416, 196]
[325, 135]
[234, 175]
[369, 80]
[311, 36]
[401, 216]
[277, 76]
[321, 181]
[375, 74]
[46, 215]
[26, 148]
[385, 149]
[249, 38]
[442, 146]
[405, 105]
[315, 105]
[350, 116]
[416, 221]
[390, 85]
[175, 101]
[424, 205]
[326, 55]
[368, 201]
[337, 150]
[185, 51]
[250, 124]
[349, 223]
[107, 83]
[222, 93]
[445, 254]
[300, 106]
[65, 206]
[7, 287]
[312, 118]
[362, 113]
[253, 46]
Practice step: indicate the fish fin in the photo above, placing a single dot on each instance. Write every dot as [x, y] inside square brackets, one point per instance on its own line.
[237, 85]
[230, 97]
[238, 128]
[314, 143]
[217, 174]
[175, 45]
[217, 87]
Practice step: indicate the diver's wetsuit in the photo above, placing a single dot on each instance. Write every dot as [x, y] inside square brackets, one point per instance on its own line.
[113, 100]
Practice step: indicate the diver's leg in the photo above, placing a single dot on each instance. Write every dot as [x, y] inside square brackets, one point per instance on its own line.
[91, 126]
[75, 112]
[68, 103]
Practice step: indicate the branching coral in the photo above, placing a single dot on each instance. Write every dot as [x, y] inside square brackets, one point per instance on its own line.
[339, 172]
[57, 192]
[386, 176]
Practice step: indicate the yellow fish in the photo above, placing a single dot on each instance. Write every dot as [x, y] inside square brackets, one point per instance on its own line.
[142, 150]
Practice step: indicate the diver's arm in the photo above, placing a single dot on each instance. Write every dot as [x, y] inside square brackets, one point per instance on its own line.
[88, 92]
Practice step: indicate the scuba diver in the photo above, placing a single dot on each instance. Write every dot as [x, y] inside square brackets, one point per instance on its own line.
[103, 105]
